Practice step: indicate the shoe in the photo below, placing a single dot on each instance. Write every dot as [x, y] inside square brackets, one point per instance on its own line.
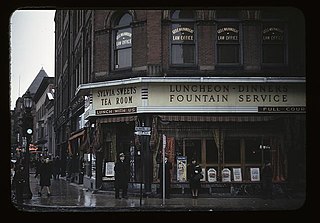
[49, 194]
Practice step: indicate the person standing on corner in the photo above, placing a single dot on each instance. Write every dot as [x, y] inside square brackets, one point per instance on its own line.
[267, 176]
[194, 176]
[121, 170]
[167, 167]
[19, 182]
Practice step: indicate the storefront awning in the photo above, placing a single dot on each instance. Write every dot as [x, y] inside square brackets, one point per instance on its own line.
[230, 118]
[127, 118]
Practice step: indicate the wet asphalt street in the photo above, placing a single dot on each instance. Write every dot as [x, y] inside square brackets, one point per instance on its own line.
[72, 197]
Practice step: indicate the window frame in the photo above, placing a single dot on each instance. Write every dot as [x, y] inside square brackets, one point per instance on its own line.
[274, 23]
[188, 22]
[226, 23]
[115, 29]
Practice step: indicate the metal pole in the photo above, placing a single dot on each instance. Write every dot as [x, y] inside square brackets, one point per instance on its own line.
[164, 142]
[27, 132]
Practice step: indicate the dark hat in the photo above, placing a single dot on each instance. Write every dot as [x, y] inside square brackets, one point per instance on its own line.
[121, 154]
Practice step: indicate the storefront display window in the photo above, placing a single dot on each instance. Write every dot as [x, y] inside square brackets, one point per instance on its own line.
[232, 151]
[193, 149]
[211, 152]
[253, 151]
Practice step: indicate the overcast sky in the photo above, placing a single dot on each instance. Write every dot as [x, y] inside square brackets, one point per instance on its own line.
[32, 47]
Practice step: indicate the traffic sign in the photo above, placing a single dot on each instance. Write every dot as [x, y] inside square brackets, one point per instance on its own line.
[142, 128]
[142, 133]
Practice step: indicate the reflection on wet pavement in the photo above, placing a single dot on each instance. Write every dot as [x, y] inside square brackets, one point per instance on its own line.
[65, 194]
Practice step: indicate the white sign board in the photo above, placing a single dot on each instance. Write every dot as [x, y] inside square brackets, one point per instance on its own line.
[226, 175]
[237, 174]
[181, 168]
[212, 175]
[255, 174]
[204, 174]
[109, 169]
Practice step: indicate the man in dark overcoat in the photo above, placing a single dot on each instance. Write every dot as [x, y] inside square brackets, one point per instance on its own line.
[121, 169]
[45, 172]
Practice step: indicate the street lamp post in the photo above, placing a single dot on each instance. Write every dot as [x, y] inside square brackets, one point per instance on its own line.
[27, 132]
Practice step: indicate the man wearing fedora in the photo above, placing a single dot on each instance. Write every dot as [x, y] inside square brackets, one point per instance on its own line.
[121, 169]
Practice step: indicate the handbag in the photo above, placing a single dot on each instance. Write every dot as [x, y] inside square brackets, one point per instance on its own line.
[198, 176]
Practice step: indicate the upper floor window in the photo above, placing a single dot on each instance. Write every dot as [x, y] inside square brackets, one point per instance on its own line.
[273, 43]
[122, 46]
[183, 43]
[228, 43]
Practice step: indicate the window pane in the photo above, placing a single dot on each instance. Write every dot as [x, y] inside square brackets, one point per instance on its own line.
[273, 53]
[211, 152]
[123, 58]
[252, 151]
[123, 38]
[193, 150]
[182, 54]
[125, 20]
[228, 53]
[182, 33]
[232, 151]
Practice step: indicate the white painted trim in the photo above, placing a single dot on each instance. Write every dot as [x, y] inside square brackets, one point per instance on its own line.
[89, 86]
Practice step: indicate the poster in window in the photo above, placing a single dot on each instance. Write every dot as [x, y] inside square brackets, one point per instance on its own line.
[109, 169]
[255, 174]
[237, 174]
[203, 174]
[181, 168]
[226, 175]
[212, 175]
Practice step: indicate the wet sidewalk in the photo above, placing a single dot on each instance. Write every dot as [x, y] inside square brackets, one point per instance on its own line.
[72, 197]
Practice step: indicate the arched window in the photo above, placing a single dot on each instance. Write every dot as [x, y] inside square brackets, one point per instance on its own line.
[122, 46]
[183, 38]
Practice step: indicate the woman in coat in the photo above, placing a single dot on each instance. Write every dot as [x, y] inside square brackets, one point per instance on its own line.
[45, 172]
[121, 170]
[194, 176]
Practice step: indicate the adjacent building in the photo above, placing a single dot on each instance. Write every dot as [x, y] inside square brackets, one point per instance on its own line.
[17, 138]
[44, 134]
[223, 85]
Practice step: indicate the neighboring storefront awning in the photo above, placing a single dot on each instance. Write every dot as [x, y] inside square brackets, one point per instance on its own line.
[76, 135]
[73, 136]
[127, 118]
[227, 118]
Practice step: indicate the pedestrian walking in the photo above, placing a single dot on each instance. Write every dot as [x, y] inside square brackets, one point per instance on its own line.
[45, 172]
[194, 176]
[267, 176]
[167, 167]
[18, 182]
[56, 168]
[121, 169]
